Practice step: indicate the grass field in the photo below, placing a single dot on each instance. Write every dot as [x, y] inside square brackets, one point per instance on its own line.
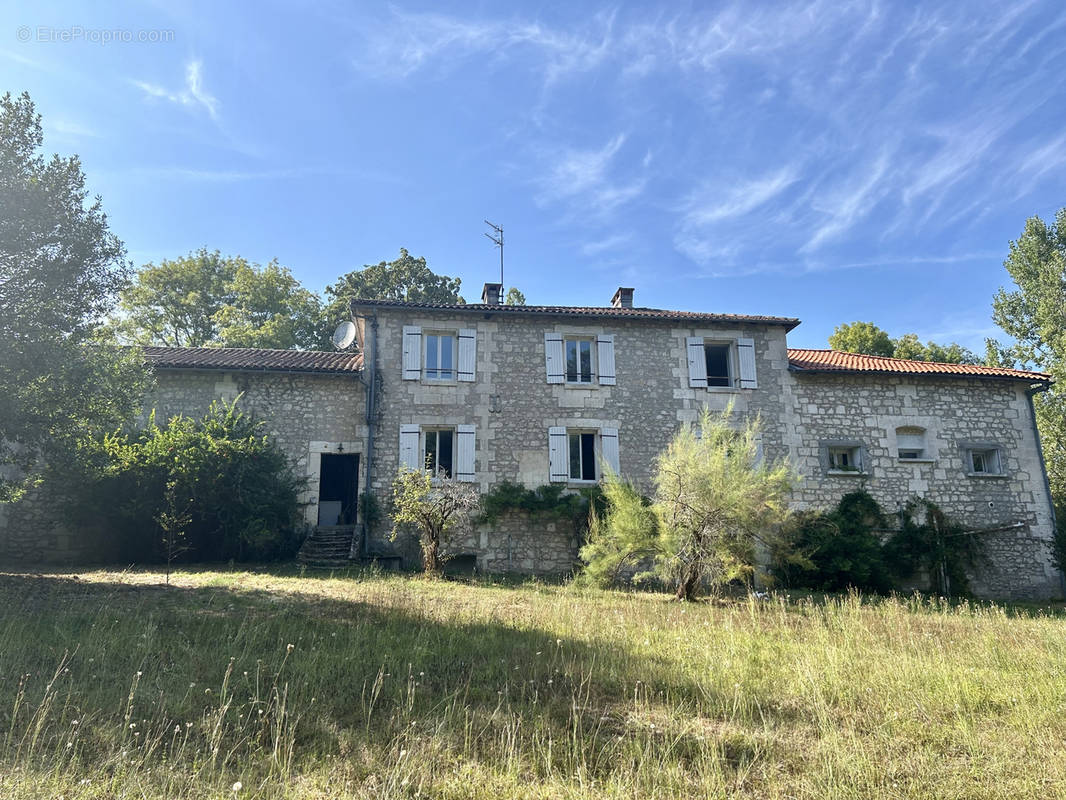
[113, 685]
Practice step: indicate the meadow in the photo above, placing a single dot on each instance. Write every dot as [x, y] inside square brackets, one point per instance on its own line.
[271, 684]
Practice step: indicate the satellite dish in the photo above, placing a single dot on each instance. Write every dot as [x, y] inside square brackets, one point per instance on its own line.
[344, 335]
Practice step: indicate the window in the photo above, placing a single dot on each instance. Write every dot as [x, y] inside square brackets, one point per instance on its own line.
[843, 457]
[438, 451]
[440, 357]
[983, 459]
[910, 443]
[721, 363]
[719, 360]
[569, 359]
[578, 360]
[582, 448]
[575, 455]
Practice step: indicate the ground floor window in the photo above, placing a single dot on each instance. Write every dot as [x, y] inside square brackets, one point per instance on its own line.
[439, 447]
[582, 448]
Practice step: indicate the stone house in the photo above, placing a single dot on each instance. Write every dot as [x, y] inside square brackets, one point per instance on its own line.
[546, 394]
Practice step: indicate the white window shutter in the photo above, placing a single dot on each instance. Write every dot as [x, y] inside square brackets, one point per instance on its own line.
[697, 362]
[746, 357]
[605, 357]
[410, 457]
[609, 448]
[558, 456]
[412, 352]
[464, 453]
[553, 357]
[467, 353]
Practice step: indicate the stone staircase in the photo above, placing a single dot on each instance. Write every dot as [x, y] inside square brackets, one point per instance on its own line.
[328, 547]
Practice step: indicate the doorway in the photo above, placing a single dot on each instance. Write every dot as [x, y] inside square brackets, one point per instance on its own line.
[338, 489]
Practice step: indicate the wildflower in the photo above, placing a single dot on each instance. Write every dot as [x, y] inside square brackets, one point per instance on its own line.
[237, 786]
[139, 673]
[289, 647]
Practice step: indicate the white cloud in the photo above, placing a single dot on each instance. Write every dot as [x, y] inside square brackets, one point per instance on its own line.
[613, 242]
[584, 178]
[714, 203]
[191, 95]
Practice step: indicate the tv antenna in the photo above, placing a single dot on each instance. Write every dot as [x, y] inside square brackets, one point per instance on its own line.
[497, 240]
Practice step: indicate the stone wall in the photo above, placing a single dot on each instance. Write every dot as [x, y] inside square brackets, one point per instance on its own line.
[512, 405]
[953, 412]
[306, 413]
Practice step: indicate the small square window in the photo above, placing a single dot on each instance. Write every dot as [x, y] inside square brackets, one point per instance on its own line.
[845, 459]
[719, 359]
[985, 461]
[440, 357]
[578, 360]
[438, 451]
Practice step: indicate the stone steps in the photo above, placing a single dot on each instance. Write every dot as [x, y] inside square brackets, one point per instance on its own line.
[328, 547]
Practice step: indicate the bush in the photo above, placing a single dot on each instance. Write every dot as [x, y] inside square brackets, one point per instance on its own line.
[851, 548]
[212, 489]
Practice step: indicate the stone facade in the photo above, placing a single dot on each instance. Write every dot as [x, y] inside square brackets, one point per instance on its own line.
[507, 416]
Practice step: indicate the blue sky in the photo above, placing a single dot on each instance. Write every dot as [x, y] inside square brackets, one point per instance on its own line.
[826, 160]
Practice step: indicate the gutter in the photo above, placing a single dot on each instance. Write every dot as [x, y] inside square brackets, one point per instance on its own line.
[1034, 390]
[361, 550]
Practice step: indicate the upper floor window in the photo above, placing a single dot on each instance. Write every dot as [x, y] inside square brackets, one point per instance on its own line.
[983, 459]
[579, 360]
[910, 443]
[721, 363]
[439, 355]
[843, 457]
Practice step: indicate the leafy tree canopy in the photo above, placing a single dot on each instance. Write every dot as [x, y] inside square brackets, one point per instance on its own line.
[1034, 314]
[206, 299]
[867, 338]
[515, 297]
[405, 279]
[61, 269]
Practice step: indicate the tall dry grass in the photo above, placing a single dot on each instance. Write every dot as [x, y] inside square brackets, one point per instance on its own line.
[237, 684]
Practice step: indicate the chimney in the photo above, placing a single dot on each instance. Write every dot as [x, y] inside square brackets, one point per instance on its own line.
[490, 295]
[623, 298]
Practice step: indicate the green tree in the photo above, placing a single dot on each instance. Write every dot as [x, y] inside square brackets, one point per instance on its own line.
[515, 297]
[61, 269]
[435, 507]
[206, 299]
[715, 501]
[861, 337]
[867, 338]
[405, 279]
[909, 346]
[1034, 314]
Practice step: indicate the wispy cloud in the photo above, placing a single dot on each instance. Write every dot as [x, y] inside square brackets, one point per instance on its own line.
[192, 95]
[600, 246]
[586, 176]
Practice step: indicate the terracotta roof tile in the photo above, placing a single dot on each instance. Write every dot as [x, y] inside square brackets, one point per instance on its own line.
[242, 359]
[585, 311]
[838, 361]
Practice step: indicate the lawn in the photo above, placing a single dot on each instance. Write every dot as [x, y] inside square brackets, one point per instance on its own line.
[271, 684]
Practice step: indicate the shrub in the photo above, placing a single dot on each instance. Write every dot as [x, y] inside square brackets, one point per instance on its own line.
[715, 501]
[211, 489]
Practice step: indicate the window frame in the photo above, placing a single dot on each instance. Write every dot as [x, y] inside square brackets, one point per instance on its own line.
[426, 432]
[922, 453]
[439, 334]
[732, 366]
[578, 340]
[970, 449]
[858, 454]
[580, 434]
